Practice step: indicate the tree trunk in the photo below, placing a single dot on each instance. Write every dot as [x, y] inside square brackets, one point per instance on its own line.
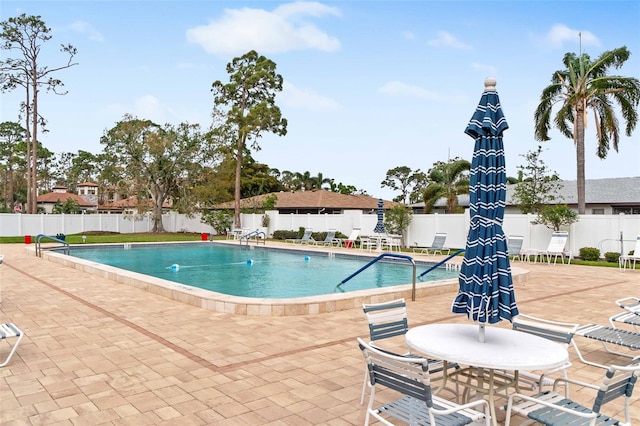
[236, 206]
[33, 193]
[579, 142]
[157, 196]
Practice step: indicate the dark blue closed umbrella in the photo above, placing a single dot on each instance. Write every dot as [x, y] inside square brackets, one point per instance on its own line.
[486, 288]
[379, 229]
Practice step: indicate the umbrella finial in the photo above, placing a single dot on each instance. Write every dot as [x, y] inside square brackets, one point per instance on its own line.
[490, 84]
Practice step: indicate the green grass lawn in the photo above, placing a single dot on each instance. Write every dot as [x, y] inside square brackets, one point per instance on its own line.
[108, 237]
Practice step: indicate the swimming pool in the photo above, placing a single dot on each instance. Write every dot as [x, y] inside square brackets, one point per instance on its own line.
[257, 272]
[265, 306]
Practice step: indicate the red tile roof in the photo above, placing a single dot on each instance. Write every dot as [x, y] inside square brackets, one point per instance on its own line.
[312, 199]
[54, 197]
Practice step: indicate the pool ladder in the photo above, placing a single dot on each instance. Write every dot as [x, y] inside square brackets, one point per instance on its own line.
[254, 235]
[40, 237]
[448, 266]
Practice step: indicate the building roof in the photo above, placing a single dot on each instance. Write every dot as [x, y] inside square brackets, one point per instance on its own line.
[618, 191]
[597, 191]
[88, 184]
[54, 197]
[131, 202]
[312, 199]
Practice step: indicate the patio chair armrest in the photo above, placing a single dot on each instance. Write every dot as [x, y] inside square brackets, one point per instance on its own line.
[469, 405]
[536, 400]
[631, 304]
[564, 381]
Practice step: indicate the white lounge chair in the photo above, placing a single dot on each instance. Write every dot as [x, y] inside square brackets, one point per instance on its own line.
[438, 245]
[514, 247]
[306, 238]
[350, 241]
[631, 259]
[329, 240]
[556, 248]
[8, 331]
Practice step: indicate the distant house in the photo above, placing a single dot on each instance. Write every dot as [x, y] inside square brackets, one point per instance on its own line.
[128, 206]
[313, 201]
[59, 195]
[603, 196]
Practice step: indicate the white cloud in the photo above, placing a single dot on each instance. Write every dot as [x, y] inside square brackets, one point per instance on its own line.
[444, 39]
[296, 97]
[488, 69]
[280, 30]
[87, 29]
[559, 34]
[397, 88]
[409, 35]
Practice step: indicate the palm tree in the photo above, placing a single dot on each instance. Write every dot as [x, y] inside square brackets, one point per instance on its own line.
[446, 180]
[584, 85]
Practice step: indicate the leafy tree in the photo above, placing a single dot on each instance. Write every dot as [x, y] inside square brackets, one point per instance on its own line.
[447, 180]
[26, 35]
[69, 206]
[554, 217]
[219, 220]
[585, 85]
[538, 186]
[403, 179]
[342, 188]
[247, 102]
[12, 143]
[397, 220]
[158, 161]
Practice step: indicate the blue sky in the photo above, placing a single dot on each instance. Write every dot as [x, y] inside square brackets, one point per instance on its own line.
[368, 85]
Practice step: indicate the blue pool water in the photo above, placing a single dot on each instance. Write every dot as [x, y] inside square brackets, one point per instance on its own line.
[259, 272]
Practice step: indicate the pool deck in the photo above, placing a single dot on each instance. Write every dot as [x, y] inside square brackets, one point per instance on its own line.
[101, 352]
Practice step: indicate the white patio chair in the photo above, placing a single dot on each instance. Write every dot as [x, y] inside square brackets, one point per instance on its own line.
[631, 259]
[418, 406]
[552, 408]
[386, 321]
[560, 332]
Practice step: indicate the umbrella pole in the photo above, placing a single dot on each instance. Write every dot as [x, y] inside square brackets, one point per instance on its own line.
[481, 334]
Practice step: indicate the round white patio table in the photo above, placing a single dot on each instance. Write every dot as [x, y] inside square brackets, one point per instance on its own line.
[503, 349]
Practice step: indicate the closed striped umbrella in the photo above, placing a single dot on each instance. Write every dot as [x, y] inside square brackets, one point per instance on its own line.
[379, 229]
[486, 292]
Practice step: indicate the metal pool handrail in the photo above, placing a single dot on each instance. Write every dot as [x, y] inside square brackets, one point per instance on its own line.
[383, 255]
[442, 262]
[254, 234]
[39, 238]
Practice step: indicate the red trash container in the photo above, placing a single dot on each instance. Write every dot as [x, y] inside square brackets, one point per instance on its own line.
[204, 236]
[348, 244]
[27, 239]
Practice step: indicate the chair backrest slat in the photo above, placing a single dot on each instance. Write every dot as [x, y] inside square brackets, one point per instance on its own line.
[438, 241]
[514, 244]
[386, 319]
[547, 331]
[618, 381]
[409, 376]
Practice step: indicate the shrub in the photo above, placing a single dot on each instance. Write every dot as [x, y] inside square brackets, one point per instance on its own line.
[285, 235]
[612, 256]
[589, 253]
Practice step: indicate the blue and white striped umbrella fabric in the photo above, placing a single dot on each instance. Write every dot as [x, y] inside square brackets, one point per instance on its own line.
[486, 292]
[379, 229]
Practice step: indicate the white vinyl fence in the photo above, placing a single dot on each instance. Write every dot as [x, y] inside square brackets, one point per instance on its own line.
[604, 232]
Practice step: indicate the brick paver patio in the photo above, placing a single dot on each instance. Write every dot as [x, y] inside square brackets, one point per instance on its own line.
[99, 352]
